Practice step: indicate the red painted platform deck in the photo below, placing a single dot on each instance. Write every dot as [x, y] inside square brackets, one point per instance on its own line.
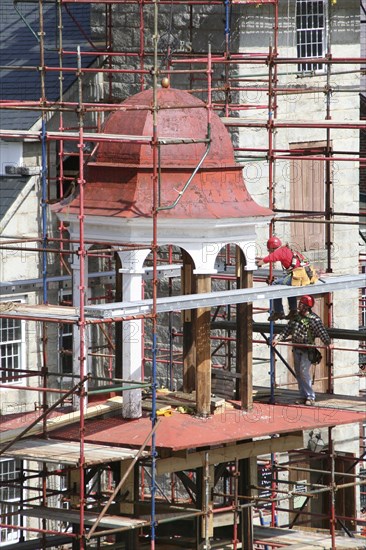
[22, 420]
[183, 431]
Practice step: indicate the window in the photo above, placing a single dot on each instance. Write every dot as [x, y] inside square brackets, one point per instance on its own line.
[310, 32]
[363, 471]
[65, 349]
[65, 339]
[363, 301]
[363, 488]
[362, 355]
[9, 499]
[11, 349]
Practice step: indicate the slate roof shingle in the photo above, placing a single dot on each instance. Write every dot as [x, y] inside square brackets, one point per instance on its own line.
[19, 48]
[10, 187]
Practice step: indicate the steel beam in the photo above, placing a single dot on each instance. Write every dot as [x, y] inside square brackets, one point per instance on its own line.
[227, 297]
[121, 310]
[340, 333]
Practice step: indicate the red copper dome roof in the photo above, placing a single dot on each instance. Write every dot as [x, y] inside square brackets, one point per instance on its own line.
[119, 179]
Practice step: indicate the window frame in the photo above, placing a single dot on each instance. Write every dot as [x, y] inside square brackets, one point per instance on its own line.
[363, 301]
[10, 504]
[308, 36]
[19, 379]
[65, 331]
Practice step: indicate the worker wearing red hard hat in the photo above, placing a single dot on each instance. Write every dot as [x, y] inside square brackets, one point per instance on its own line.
[304, 328]
[307, 301]
[273, 243]
[289, 260]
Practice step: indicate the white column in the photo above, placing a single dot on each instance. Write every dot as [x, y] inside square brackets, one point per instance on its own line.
[132, 343]
[75, 329]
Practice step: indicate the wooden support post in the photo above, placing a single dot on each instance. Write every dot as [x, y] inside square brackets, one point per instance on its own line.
[244, 335]
[199, 505]
[73, 483]
[208, 481]
[203, 351]
[248, 477]
[129, 491]
[189, 323]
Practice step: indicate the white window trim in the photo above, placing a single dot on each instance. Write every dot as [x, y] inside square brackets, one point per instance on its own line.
[63, 294]
[363, 302]
[22, 356]
[319, 70]
[12, 535]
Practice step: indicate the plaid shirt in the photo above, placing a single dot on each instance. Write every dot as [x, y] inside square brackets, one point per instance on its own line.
[304, 330]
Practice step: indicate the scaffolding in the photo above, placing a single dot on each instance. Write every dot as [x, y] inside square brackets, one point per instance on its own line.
[115, 494]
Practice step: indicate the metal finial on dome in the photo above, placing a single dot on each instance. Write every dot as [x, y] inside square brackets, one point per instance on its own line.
[165, 82]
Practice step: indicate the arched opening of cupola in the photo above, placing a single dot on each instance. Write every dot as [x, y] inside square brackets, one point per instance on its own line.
[203, 207]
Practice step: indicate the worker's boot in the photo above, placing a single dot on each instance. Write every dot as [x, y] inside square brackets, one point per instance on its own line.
[310, 402]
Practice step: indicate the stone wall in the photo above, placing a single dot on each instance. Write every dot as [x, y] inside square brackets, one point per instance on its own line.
[191, 29]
